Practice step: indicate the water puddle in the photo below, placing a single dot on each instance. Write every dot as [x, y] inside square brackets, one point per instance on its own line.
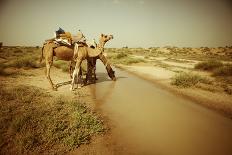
[150, 120]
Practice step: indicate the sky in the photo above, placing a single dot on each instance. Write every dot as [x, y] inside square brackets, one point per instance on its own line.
[134, 23]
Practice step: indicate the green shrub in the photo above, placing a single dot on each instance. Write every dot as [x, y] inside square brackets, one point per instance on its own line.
[208, 65]
[185, 80]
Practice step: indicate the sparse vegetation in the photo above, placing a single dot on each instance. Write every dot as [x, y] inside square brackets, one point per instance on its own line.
[208, 65]
[2, 70]
[19, 57]
[27, 61]
[121, 55]
[185, 80]
[18, 51]
[225, 70]
[124, 58]
[33, 122]
[64, 65]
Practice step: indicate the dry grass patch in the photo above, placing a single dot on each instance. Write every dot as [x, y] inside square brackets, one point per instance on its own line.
[124, 58]
[185, 80]
[33, 122]
[27, 61]
[63, 65]
[208, 65]
[225, 70]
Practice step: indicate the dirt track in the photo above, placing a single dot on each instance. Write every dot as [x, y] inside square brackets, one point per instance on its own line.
[145, 119]
[149, 120]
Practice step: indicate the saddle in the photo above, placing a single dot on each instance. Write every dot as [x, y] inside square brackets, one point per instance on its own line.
[64, 38]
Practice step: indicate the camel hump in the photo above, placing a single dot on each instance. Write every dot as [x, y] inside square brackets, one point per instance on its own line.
[93, 52]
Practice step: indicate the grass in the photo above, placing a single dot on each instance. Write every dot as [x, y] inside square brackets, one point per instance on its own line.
[2, 70]
[21, 57]
[130, 61]
[124, 58]
[121, 55]
[225, 70]
[33, 122]
[208, 65]
[18, 51]
[185, 80]
[63, 65]
[216, 67]
[27, 61]
[5, 72]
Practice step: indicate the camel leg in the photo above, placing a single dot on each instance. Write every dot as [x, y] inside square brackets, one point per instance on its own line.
[71, 68]
[48, 67]
[88, 74]
[48, 55]
[80, 78]
[108, 67]
[76, 73]
[94, 69]
[89, 70]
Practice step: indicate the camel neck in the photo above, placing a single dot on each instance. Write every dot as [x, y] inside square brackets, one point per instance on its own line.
[101, 45]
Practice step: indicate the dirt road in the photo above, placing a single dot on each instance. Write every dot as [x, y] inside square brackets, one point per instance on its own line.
[149, 120]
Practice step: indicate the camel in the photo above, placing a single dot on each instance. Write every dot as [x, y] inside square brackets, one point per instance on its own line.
[67, 53]
[91, 63]
[85, 52]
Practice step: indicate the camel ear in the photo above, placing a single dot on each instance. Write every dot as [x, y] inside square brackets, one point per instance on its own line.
[102, 35]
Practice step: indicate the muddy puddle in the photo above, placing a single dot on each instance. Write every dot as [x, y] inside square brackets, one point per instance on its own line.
[149, 120]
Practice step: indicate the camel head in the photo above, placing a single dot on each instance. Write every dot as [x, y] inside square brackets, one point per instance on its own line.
[104, 38]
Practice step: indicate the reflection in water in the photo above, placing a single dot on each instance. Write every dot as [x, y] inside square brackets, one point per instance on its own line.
[101, 98]
[150, 120]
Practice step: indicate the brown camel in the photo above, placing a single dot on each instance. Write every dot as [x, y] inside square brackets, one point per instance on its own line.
[85, 52]
[50, 49]
[92, 73]
[91, 63]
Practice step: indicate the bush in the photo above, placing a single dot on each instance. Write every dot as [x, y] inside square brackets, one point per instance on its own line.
[133, 60]
[208, 65]
[185, 80]
[121, 55]
[28, 61]
[223, 71]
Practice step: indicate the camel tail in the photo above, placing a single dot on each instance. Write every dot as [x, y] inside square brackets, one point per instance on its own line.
[41, 58]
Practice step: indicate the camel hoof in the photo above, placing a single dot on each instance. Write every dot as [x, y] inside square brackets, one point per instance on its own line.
[114, 78]
[54, 88]
[71, 88]
[79, 86]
